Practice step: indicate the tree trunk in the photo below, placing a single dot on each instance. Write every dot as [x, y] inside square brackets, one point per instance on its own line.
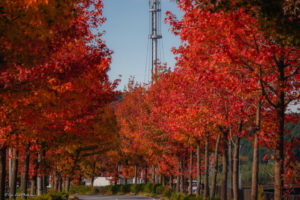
[14, 173]
[33, 186]
[163, 181]
[59, 189]
[24, 176]
[255, 163]
[2, 172]
[39, 182]
[198, 169]
[191, 173]
[146, 174]
[215, 169]
[178, 177]
[171, 182]
[236, 159]
[235, 173]
[279, 158]
[68, 181]
[206, 161]
[153, 174]
[279, 137]
[230, 166]
[55, 182]
[93, 174]
[135, 174]
[225, 166]
[181, 176]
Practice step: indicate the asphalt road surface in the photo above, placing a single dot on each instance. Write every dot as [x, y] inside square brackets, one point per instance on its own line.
[113, 197]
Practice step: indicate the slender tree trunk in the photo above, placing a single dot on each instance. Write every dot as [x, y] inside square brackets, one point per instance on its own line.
[135, 174]
[24, 176]
[14, 174]
[153, 174]
[146, 174]
[215, 169]
[2, 172]
[236, 159]
[93, 174]
[235, 173]
[68, 183]
[171, 182]
[279, 158]
[39, 182]
[206, 161]
[230, 166]
[191, 173]
[45, 183]
[10, 156]
[255, 163]
[198, 169]
[55, 182]
[33, 186]
[59, 189]
[163, 180]
[178, 177]
[225, 166]
[182, 177]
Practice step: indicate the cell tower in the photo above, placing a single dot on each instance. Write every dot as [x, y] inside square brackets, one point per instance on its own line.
[155, 11]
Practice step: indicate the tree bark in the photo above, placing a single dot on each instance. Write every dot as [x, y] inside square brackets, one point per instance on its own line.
[33, 186]
[255, 163]
[181, 177]
[135, 174]
[146, 174]
[225, 166]
[235, 173]
[93, 174]
[2, 171]
[279, 139]
[171, 182]
[236, 159]
[14, 173]
[178, 177]
[279, 158]
[198, 169]
[68, 183]
[59, 189]
[206, 161]
[215, 169]
[39, 181]
[230, 166]
[153, 174]
[55, 182]
[24, 176]
[191, 173]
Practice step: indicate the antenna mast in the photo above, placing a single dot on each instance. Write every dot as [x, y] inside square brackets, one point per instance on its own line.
[155, 34]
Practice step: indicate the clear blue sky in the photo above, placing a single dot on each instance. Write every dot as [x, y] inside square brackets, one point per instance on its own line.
[127, 30]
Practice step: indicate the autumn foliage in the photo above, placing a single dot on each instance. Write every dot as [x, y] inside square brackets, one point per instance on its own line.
[236, 76]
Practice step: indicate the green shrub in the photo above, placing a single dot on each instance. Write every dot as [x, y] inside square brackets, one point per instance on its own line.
[168, 193]
[107, 189]
[116, 189]
[49, 196]
[136, 188]
[149, 188]
[159, 189]
[82, 189]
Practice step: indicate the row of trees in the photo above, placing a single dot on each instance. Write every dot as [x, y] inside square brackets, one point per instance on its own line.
[236, 75]
[55, 104]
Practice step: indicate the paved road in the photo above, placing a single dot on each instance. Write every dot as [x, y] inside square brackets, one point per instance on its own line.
[113, 197]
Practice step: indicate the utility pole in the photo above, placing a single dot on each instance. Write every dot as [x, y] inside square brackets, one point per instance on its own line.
[155, 34]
